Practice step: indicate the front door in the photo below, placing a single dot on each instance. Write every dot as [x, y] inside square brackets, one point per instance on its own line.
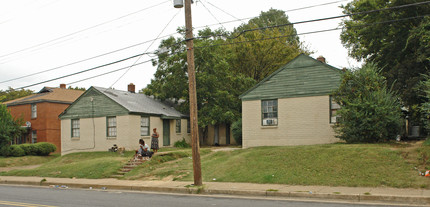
[166, 132]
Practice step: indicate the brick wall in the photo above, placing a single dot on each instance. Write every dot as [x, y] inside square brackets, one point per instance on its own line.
[301, 121]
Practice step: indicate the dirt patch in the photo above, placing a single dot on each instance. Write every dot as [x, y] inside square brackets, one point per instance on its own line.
[6, 169]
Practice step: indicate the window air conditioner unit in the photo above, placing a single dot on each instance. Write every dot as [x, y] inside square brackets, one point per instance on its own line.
[267, 122]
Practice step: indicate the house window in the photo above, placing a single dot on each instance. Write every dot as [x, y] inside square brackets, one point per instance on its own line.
[33, 111]
[144, 126]
[75, 128]
[269, 112]
[33, 137]
[188, 126]
[178, 126]
[333, 111]
[111, 126]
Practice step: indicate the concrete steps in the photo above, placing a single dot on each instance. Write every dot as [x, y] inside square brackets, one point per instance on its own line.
[130, 165]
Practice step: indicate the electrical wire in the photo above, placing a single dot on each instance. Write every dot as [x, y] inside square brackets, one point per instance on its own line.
[82, 71]
[313, 32]
[82, 30]
[147, 48]
[315, 20]
[290, 10]
[225, 12]
[138, 44]
[113, 71]
[83, 60]
[212, 15]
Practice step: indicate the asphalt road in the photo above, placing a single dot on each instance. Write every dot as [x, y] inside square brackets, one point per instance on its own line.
[40, 196]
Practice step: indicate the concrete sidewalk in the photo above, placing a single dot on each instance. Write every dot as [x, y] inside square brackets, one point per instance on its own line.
[349, 194]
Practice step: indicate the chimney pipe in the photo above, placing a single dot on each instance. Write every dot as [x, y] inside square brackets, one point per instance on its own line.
[63, 86]
[321, 59]
[131, 88]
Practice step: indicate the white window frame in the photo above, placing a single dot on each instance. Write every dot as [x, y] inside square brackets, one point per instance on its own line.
[144, 126]
[33, 111]
[111, 126]
[76, 128]
[34, 136]
[178, 126]
[333, 111]
[269, 112]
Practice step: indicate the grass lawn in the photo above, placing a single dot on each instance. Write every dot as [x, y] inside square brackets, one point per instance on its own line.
[27, 160]
[369, 165]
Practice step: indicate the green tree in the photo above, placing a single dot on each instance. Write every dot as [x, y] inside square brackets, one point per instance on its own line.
[256, 52]
[9, 127]
[370, 112]
[77, 88]
[11, 94]
[218, 88]
[394, 40]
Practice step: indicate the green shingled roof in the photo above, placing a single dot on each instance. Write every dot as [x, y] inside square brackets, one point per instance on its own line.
[303, 76]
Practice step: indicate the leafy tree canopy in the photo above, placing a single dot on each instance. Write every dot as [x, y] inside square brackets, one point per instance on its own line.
[370, 112]
[227, 64]
[396, 40]
[9, 127]
[77, 88]
[11, 94]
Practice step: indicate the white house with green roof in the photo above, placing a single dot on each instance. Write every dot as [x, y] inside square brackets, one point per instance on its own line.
[292, 106]
[102, 117]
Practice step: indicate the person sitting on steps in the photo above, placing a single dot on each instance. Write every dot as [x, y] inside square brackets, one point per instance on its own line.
[143, 151]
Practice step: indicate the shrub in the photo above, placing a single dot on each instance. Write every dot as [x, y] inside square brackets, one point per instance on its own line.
[236, 129]
[181, 144]
[16, 151]
[370, 112]
[44, 148]
[5, 151]
[29, 149]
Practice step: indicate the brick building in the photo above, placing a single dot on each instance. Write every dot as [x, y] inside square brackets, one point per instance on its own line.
[40, 112]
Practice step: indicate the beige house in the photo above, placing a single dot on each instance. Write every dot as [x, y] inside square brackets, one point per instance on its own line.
[292, 106]
[103, 117]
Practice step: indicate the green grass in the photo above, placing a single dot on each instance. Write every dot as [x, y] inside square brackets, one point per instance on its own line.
[27, 160]
[333, 165]
[366, 165]
[80, 165]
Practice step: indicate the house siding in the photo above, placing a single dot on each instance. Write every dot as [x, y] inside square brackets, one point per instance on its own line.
[301, 121]
[47, 123]
[93, 104]
[128, 134]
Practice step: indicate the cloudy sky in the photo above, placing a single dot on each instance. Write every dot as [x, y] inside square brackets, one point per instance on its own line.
[63, 37]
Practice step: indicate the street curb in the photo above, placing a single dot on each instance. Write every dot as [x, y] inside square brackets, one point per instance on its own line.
[418, 200]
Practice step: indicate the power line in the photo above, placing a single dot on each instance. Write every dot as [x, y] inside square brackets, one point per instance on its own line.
[313, 32]
[225, 12]
[313, 20]
[231, 43]
[290, 10]
[83, 60]
[113, 71]
[82, 30]
[83, 71]
[138, 44]
[212, 14]
[147, 48]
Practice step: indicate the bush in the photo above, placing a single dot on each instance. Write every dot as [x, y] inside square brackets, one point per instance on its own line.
[16, 151]
[369, 112]
[29, 149]
[236, 129]
[5, 151]
[44, 148]
[181, 144]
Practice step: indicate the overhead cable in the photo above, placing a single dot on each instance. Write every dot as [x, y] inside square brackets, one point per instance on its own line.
[82, 30]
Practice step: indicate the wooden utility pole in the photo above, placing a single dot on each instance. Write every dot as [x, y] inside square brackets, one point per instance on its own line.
[193, 95]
